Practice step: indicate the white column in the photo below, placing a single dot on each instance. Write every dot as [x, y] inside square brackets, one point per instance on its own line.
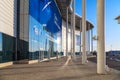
[84, 57]
[101, 57]
[71, 36]
[91, 40]
[74, 56]
[80, 34]
[67, 31]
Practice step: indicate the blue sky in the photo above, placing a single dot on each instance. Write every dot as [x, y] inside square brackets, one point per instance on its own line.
[112, 29]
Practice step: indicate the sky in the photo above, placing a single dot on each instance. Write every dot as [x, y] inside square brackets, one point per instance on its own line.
[112, 28]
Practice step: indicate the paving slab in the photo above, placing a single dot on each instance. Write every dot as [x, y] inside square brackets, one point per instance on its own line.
[62, 69]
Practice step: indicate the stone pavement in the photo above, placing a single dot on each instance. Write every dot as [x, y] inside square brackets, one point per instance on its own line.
[62, 69]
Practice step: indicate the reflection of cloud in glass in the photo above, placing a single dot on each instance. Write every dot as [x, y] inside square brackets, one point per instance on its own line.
[35, 41]
[45, 11]
[46, 5]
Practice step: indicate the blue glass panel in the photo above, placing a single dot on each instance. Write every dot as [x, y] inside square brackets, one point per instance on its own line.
[0, 47]
[34, 9]
[50, 15]
[0, 42]
[44, 29]
[34, 34]
[46, 12]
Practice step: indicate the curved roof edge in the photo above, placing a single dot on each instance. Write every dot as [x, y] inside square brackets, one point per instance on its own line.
[78, 16]
[62, 7]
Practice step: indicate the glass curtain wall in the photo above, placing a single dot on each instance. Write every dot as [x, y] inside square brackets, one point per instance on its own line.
[7, 48]
[39, 32]
[44, 29]
[0, 48]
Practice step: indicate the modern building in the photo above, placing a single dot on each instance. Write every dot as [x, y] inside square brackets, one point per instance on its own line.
[8, 25]
[34, 30]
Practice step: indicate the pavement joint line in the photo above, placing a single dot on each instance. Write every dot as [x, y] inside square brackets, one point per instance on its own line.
[66, 63]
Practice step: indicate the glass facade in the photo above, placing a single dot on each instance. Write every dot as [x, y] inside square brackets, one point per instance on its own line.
[7, 48]
[45, 33]
[0, 48]
[39, 32]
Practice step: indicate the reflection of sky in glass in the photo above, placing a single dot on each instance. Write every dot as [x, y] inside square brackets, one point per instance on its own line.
[45, 11]
[50, 15]
[43, 32]
[35, 34]
[0, 42]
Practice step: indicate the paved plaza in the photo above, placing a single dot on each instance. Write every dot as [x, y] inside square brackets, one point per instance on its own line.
[62, 69]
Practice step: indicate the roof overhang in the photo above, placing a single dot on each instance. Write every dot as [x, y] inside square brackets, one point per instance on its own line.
[118, 17]
[62, 5]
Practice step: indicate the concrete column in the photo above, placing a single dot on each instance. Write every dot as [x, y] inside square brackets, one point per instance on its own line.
[67, 31]
[74, 56]
[91, 40]
[84, 58]
[71, 36]
[80, 34]
[101, 57]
